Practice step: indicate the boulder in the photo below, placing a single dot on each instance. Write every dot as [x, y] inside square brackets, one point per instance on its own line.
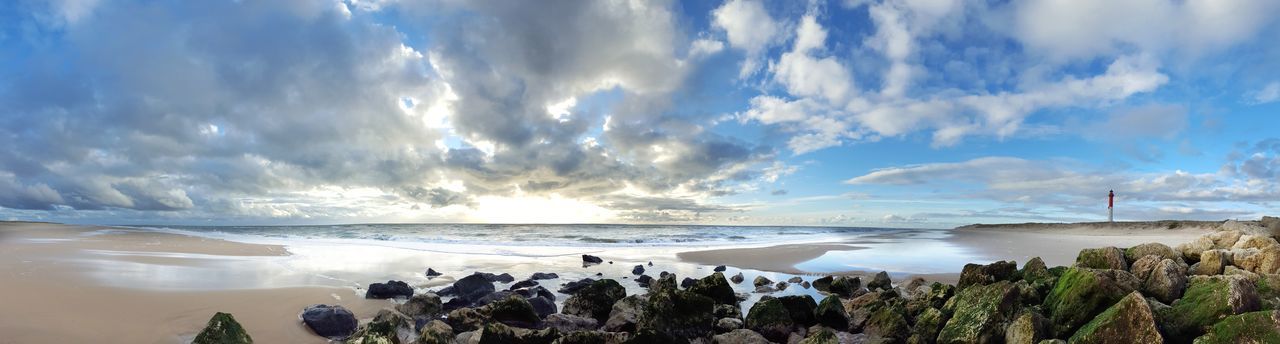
[1028, 328]
[1035, 271]
[765, 289]
[1191, 250]
[664, 283]
[927, 325]
[781, 286]
[637, 270]
[1224, 239]
[820, 336]
[887, 324]
[1163, 251]
[724, 325]
[860, 309]
[542, 305]
[625, 313]
[1255, 241]
[595, 300]
[769, 317]
[881, 281]
[1102, 258]
[466, 319]
[513, 311]
[502, 278]
[801, 308]
[435, 332]
[1080, 294]
[391, 289]
[473, 287]
[737, 278]
[678, 314]
[1143, 267]
[543, 276]
[569, 323]
[572, 287]
[831, 313]
[644, 280]
[222, 329]
[974, 274]
[1212, 262]
[1207, 301]
[388, 327]
[719, 268]
[1245, 227]
[523, 284]
[687, 282]
[978, 313]
[333, 322]
[1272, 224]
[740, 336]
[592, 337]
[761, 281]
[432, 273]
[716, 287]
[1128, 321]
[1166, 282]
[845, 286]
[795, 279]
[823, 283]
[727, 311]
[590, 260]
[1252, 327]
[425, 305]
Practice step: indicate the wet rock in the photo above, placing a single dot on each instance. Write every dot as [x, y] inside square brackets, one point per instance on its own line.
[595, 300]
[513, 311]
[804, 284]
[765, 289]
[761, 280]
[1028, 328]
[880, 281]
[1252, 327]
[425, 305]
[715, 286]
[523, 284]
[333, 322]
[977, 274]
[502, 278]
[801, 309]
[542, 305]
[388, 290]
[573, 287]
[570, 323]
[492, 297]
[435, 332]
[222, 328]
[823, 283]
[820, 336]
[664, 283]
[644, 280]
[466, 319]
[590, 259]
[719, 268]
[432, 273]
[543, 276]
[795, 280]
[593, 337]
[741, 336]
[727, 324]
[473, 287]
[637, 270]
[1080, 294]
[1102, 258]
[737, 279]
[927, 326]
[455, 303]
[1128, 321]
[888, 324]
[1207, 301]
[687, 282]
[770, 319]
[1163, 251]
[978, 312]
[678, 314]
[845, 286]
[388, 326]
[727, 311]
[625, 313]
[781, 286]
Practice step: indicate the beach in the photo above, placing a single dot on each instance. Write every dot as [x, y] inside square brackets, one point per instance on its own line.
[67, 283]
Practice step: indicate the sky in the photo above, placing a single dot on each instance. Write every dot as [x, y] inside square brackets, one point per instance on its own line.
[893, 113]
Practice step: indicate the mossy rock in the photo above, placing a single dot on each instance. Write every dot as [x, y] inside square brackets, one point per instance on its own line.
[678, 314]
[1253, 327]
[1080, 294]
[435, 332]
[1035, 271]
[927, 325]
[1128, 321]
[831, 313]
[1102, 258]
[1163, 251]
[716, 287]
[821, 336]
[977, 274]
[845, 286]
[497, 333]
[466, 319]
[801, 308]
[1207, 301]
[1028, 328]
[823, 283]
[663, 284]
[387, 327]
[769, 317]
[514, 311]
[979, 312]
[888, 324]
[223, 329]
[592, 337]
[596, 300]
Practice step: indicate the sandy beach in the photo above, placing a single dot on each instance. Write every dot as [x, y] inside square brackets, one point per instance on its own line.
[122, 285]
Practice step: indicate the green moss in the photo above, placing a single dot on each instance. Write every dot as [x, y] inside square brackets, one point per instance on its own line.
[831, 313]
[223, 329]
[680, 314]
[821, 336]
[716, 287]
[513, 310]
[1252, 327]
[1204, 303]
[595, 300]
[1128, 321]
[1078, 296]
[978, 312]
[887, 323]
[769, 318]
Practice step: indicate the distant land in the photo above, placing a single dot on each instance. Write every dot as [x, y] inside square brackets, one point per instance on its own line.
[1266, 223]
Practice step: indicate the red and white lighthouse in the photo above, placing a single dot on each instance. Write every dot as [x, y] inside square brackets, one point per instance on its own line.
[1111, 206]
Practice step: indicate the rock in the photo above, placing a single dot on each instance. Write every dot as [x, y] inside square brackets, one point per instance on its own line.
[740, 336]
[766, 289]
[523, 284]
[823, 283]
[595, 300]
[503, 278]
[1128, 321]
[831, 313]
[678, 314]
[637, 270]
[542, 305]
[1080, 294]
[715, 286]
[1163, 251]
[1212, 262]
[644, 280]
[388, 326]
[497, 333]
[455, 303]
[887, 323]
[860, 309]
[432, 273]
[543, 276]
[472, 288]
[1191, 250]
[573, 287]
[222, 329]
[880, 281]
[590, 259]
[592, 337]
[426, 305]
[333, 322]
[625, 313]
[1035, 270]
[801, 309]
[687, 282]
[974, 274]
[795, 280]
[927, 326]
[727, 311]
[496, 296]
[435, 332]
[1252, 327]
[1028, 328]
[570, 323]
[737, 279]
[1246, 227]
[513, 311]
[1102, 258]
[821, 336]
[1255, 241]
[1224, 239]
[804, 284]
[1166, 281]
[761, 280]
[978, 313]
[664, 283]
[727, 324]
[769, 317]
[845, 286]
[781, 286]
[391, 289]
[719, 268]
[1207, 301]
[466, 319]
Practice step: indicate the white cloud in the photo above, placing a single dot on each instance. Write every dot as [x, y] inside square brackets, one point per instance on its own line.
[749, 27]
[1267, 94]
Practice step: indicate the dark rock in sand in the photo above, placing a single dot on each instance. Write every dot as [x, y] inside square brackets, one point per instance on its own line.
[765, 289]
[804, 284]
[678, 314]
[388, 290]
[823, 283]
[389, 326]
[573, 286]
[761, 280]
[503, 278]
[426, 305]
[542, 305]
[523, 284]
[625, 313]
[737, 279]
[769, 318]
[590, 259]
[795, 280]
[570, 323]
[595, 300]
[644, 280]
[781, 286]
[472, 288]
[455, 303]
[719, 268]
[223, 329]
[333, 322]
[432, 273]
[447, 291]
[715, 287]
[663, 274]
[495, 296]
[513, 311]
[831, 313]
[845, 286]
[650, 263]
[687, 282]
[543, 276]
[881, 281]
[466, 319]
[637, 270]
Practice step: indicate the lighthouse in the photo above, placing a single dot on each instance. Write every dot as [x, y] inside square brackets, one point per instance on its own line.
[1111, 206]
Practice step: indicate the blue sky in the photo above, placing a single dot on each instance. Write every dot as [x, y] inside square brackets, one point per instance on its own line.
[918, 113]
